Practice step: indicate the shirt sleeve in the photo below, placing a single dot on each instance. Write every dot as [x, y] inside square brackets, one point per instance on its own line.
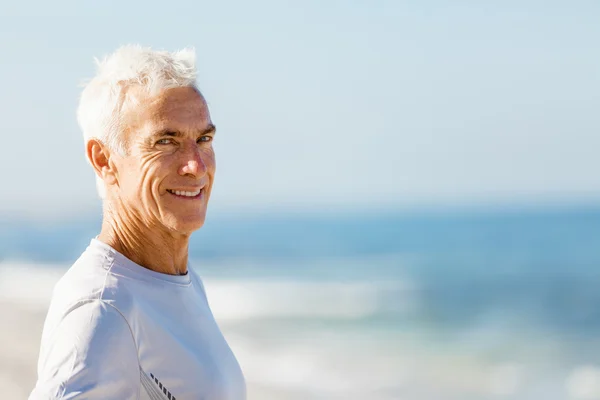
[91, 355]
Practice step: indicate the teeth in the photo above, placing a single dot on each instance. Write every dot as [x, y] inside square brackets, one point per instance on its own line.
[184, 193]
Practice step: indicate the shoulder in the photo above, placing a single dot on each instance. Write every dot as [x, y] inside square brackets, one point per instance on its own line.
[93, 276]
[88, 324]
[94, 321]
[91, 347]
[89, 281]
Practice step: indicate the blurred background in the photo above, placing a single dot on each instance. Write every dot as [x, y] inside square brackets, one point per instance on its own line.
[407, 203]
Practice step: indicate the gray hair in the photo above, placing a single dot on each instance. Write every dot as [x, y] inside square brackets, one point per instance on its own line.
[101, 102]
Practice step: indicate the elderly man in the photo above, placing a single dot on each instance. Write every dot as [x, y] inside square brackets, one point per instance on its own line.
[130, 319]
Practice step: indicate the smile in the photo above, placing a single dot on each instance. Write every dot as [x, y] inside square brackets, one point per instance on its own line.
[183, 193]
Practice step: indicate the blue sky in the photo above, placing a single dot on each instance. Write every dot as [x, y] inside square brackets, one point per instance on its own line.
[327, 105]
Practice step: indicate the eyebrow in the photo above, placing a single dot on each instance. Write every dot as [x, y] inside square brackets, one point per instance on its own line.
[210, 130]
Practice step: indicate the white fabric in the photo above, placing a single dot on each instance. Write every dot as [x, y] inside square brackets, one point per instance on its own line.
[116, 330]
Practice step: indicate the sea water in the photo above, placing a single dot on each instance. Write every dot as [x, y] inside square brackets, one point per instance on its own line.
[389, 306]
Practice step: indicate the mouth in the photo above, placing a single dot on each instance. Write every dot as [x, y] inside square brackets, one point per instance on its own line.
[186, 194]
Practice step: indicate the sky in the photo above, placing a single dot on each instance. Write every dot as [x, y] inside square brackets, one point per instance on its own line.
[325, 105]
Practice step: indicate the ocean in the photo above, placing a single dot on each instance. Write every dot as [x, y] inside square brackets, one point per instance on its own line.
[380, 306]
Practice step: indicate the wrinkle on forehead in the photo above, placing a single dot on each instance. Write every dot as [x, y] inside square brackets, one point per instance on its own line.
[178, 106]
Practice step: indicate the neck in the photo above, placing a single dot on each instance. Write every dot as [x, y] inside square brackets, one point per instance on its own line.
[164, 252]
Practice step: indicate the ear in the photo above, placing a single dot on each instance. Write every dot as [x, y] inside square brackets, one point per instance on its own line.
[100, 157]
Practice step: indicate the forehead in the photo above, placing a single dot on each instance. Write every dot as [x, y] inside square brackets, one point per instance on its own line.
[179, 109]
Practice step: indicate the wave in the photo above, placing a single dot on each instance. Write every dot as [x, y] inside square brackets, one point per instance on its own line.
[241, 298]
[286, 298]
[348, 365]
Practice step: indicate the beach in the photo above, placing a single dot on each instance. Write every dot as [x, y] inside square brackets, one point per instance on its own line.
[20, 340]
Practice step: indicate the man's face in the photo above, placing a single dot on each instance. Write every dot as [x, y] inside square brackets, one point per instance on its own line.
[166, 177]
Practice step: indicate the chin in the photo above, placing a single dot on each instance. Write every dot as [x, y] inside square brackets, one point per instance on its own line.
[186, 224]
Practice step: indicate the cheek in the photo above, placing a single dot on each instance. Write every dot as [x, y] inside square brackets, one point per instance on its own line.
[129, 178]
[210, 161]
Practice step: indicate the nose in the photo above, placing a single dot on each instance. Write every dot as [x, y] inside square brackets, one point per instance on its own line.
[193, 164]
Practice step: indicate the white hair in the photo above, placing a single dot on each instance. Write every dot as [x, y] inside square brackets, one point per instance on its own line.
[99, 111]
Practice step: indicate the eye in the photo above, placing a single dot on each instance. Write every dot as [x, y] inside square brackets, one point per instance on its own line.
[205, 139]
[164, 141]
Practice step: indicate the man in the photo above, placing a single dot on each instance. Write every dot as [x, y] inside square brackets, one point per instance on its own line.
[130, 319]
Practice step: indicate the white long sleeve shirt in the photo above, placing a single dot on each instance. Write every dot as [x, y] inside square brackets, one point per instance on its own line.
[116, 330]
